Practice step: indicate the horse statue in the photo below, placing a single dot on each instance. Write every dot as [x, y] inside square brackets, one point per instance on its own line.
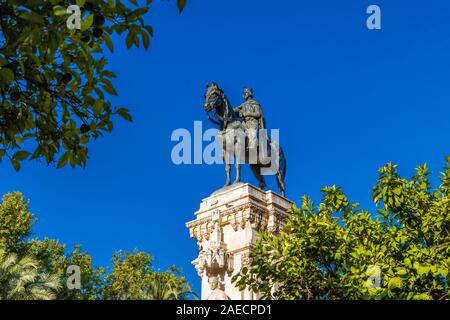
[234, 147]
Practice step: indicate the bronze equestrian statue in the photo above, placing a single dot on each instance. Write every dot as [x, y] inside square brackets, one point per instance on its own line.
[243, 136]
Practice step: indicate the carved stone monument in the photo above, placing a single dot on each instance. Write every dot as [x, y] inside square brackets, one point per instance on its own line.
[226, 228]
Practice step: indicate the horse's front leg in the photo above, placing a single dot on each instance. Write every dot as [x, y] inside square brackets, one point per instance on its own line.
[227, 169]
[238, 172]
[239, 151]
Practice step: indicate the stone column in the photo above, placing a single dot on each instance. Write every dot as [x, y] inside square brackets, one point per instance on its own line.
[226, 228]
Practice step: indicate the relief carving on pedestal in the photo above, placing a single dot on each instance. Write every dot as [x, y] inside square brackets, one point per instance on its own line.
[217, 292]
[213, 259]
[245, 259]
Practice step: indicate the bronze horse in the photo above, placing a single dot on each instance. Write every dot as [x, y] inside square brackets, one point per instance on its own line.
[232, 126]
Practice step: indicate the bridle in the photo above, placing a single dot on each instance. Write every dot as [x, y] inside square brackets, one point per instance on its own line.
[224, 119]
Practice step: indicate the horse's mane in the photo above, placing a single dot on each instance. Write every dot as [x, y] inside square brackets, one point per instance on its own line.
[228, 107]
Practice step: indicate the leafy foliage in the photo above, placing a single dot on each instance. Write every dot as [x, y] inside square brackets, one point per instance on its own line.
[54, 82]
[168, 285]
[53, 256]
[15, 221]
[23, 279]
[133, 278]
[37, 269]
[334, 250]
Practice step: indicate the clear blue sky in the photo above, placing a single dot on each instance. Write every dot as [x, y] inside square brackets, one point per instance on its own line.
[346, 100]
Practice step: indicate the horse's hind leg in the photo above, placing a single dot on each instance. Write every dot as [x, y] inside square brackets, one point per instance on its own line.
[256, 169]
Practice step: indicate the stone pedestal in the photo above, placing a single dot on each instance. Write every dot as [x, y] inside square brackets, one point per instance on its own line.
[226, 228]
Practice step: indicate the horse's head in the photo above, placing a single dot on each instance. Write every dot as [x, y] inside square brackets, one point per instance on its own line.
[213, 97]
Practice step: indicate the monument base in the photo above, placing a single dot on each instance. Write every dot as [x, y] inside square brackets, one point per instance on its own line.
[226, 228]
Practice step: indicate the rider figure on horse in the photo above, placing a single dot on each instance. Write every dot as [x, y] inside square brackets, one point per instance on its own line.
[251, 112]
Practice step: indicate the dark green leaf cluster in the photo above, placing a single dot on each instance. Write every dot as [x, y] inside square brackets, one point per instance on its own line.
[337, 250]
[54, 81]
[38, 269]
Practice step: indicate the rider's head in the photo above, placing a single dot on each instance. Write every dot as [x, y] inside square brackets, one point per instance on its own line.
[213, 282]
[248, 93]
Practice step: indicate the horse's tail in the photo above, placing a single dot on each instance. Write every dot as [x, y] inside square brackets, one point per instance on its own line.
[281, 172]
[281, 158]
[283, 165]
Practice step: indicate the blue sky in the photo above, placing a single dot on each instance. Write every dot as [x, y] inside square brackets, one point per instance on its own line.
[346, 100]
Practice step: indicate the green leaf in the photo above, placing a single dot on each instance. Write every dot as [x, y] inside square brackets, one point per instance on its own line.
[15, 164]
[81, 3]
[32, 17]
[402, 273]
[7, 75]
[108, 42]
[84, 139]
[109, 88]
[87, 23]
[149, 29]
[124, 114]
[422, 296]
[21, 155]
[109, 74]
[181, 4]
[130, 39]
[443, 271]
[63, 160]
[145, 39]
[423, 269]
[59, 11]
[72, 160]
[395, 284]
[97, 107]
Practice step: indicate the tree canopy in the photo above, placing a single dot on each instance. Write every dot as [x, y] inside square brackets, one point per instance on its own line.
[55, 91]
[55, 86]
[337, 250]
[133, 277]
[38, 269]
[23, 279]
